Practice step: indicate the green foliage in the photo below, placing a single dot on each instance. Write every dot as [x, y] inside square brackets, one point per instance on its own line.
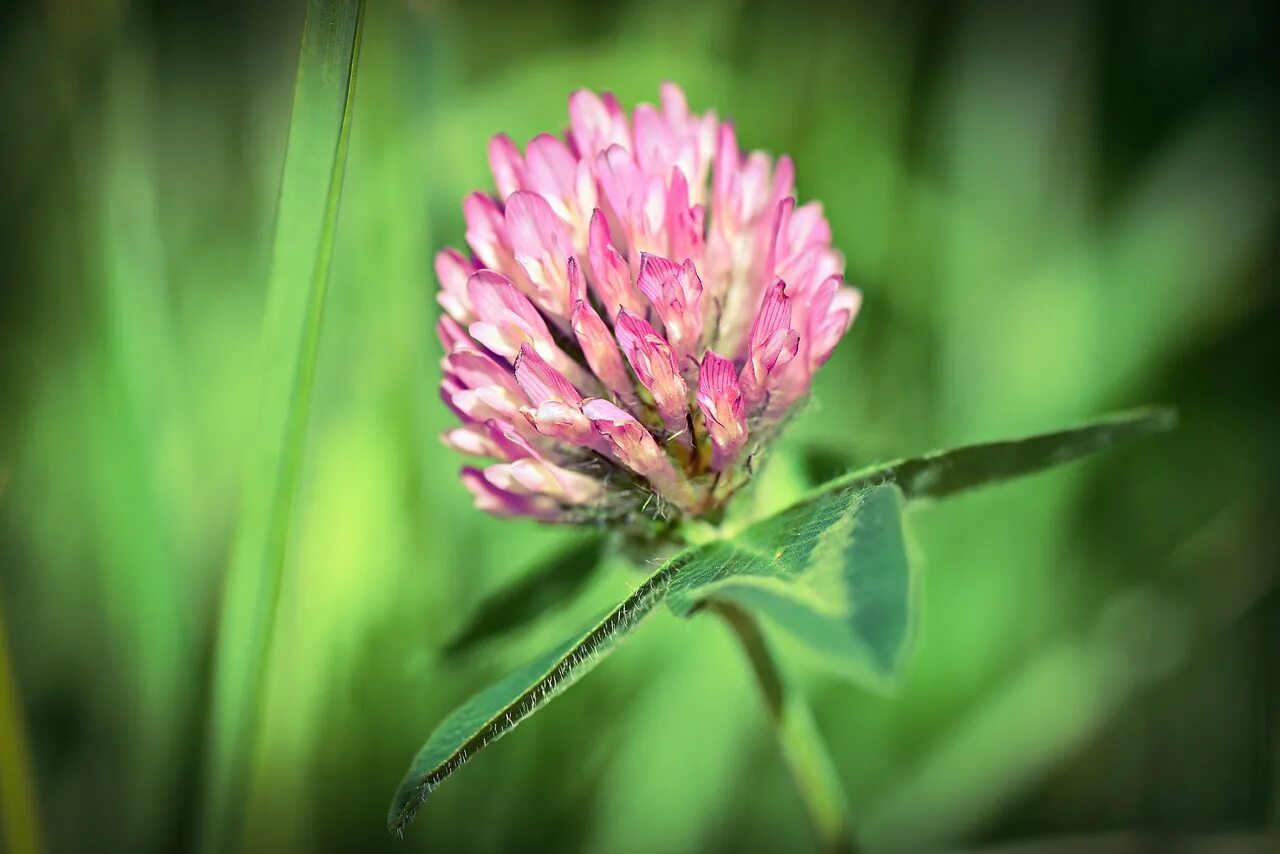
[832, 571]
[945, 473]
[1054, 212]
[498, 709]
[307, 218]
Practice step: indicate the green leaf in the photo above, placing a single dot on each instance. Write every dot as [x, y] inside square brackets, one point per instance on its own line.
[306, 220]
[498, 709]
[553, 582]
[945, 473]
[832, 573]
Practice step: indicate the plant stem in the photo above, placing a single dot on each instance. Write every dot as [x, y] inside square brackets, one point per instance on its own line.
[803, 750]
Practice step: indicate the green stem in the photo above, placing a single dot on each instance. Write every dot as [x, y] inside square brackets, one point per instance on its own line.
[803, 750]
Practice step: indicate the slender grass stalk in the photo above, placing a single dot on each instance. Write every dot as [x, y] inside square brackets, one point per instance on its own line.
[19, 813]
[803, 750]
[306, 221]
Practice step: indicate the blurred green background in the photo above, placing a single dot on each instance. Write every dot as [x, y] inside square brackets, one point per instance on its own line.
[1054, 210]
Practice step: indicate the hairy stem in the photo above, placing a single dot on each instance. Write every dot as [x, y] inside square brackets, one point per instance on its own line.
[803, 750]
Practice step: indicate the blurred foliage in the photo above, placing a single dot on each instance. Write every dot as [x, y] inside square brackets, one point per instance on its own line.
[1054, 210]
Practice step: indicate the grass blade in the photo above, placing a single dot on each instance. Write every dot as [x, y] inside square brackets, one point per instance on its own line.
[306, 221]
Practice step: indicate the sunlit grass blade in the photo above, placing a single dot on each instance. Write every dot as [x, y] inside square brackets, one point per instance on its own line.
[552, 582]
[498, 709]
[306, 221]
[944, 473]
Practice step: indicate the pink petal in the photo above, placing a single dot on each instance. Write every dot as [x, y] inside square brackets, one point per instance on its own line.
[552, 169]
[493, 297]
[772, 344]
[506, 164]
[724, 173]
[655, 272]
[452, 270]
[832, 316]
[683, 225]
[597, 342]
[501, 502]
[636, 449]
[609, 271]
[486, 230]
[473, 368]
[452, 335]
[541, 382]
[623, 183]
[721, 401]
[655, 365]
[597, 123]
[540, 243]
[674, 104]
[568, 487]
[675, 292]
[471, 440]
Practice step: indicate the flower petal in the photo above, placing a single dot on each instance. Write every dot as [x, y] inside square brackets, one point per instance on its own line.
[655, 365]
[506, 164]
[541, 382]
[501, 502]
[723, 408]
[540, 243]
[609, 272]
[635, 448]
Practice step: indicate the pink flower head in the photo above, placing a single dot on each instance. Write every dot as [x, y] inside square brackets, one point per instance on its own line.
[642, 306]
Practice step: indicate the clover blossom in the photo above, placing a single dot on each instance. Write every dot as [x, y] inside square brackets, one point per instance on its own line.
[642, 308]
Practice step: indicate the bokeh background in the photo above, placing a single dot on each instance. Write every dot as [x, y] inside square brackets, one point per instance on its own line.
[1054, 210]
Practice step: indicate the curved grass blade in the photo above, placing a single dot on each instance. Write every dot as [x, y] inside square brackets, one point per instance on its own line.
[832, 573]
[498, 709]
[945, 473]
[552, 582]
[306, 221]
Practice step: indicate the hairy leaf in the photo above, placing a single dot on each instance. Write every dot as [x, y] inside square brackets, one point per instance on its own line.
[945, 473]
[498, 709]
[551, 583]
[831, 571]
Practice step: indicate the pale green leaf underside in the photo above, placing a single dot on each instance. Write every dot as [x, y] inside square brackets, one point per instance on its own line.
[832, 573]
